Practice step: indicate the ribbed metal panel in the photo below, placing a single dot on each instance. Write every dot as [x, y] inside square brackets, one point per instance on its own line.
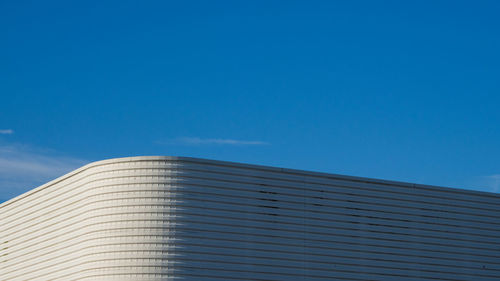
[163, 218]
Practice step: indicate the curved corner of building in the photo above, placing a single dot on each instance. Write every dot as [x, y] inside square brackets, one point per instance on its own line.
[108, 220]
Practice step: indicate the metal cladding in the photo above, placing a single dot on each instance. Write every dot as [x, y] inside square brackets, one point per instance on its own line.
[176, 218]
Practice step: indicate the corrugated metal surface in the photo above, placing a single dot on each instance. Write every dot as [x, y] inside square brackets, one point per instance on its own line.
[162, 218]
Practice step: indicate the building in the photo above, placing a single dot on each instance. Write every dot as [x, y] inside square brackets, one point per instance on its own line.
[177, 218]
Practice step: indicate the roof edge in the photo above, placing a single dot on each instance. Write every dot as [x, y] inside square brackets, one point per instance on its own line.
[83, 168]
[247, 166]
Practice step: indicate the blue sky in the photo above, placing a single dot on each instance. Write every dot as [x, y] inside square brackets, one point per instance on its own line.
[402, 90]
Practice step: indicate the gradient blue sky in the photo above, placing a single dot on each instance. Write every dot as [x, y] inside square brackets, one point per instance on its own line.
[402, 90]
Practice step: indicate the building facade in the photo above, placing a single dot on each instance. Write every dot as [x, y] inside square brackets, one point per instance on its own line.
[177, 218]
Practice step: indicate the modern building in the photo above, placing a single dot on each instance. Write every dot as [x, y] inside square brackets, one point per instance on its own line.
[177, 218]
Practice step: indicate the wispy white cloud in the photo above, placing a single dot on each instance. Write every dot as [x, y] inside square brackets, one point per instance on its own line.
[213, 141]
[23, 167]
[6, 132]
[493, 182]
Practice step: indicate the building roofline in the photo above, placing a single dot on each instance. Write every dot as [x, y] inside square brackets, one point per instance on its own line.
[249, 166]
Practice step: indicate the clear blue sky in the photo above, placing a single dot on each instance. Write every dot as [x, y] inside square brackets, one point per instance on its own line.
[402, 90]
